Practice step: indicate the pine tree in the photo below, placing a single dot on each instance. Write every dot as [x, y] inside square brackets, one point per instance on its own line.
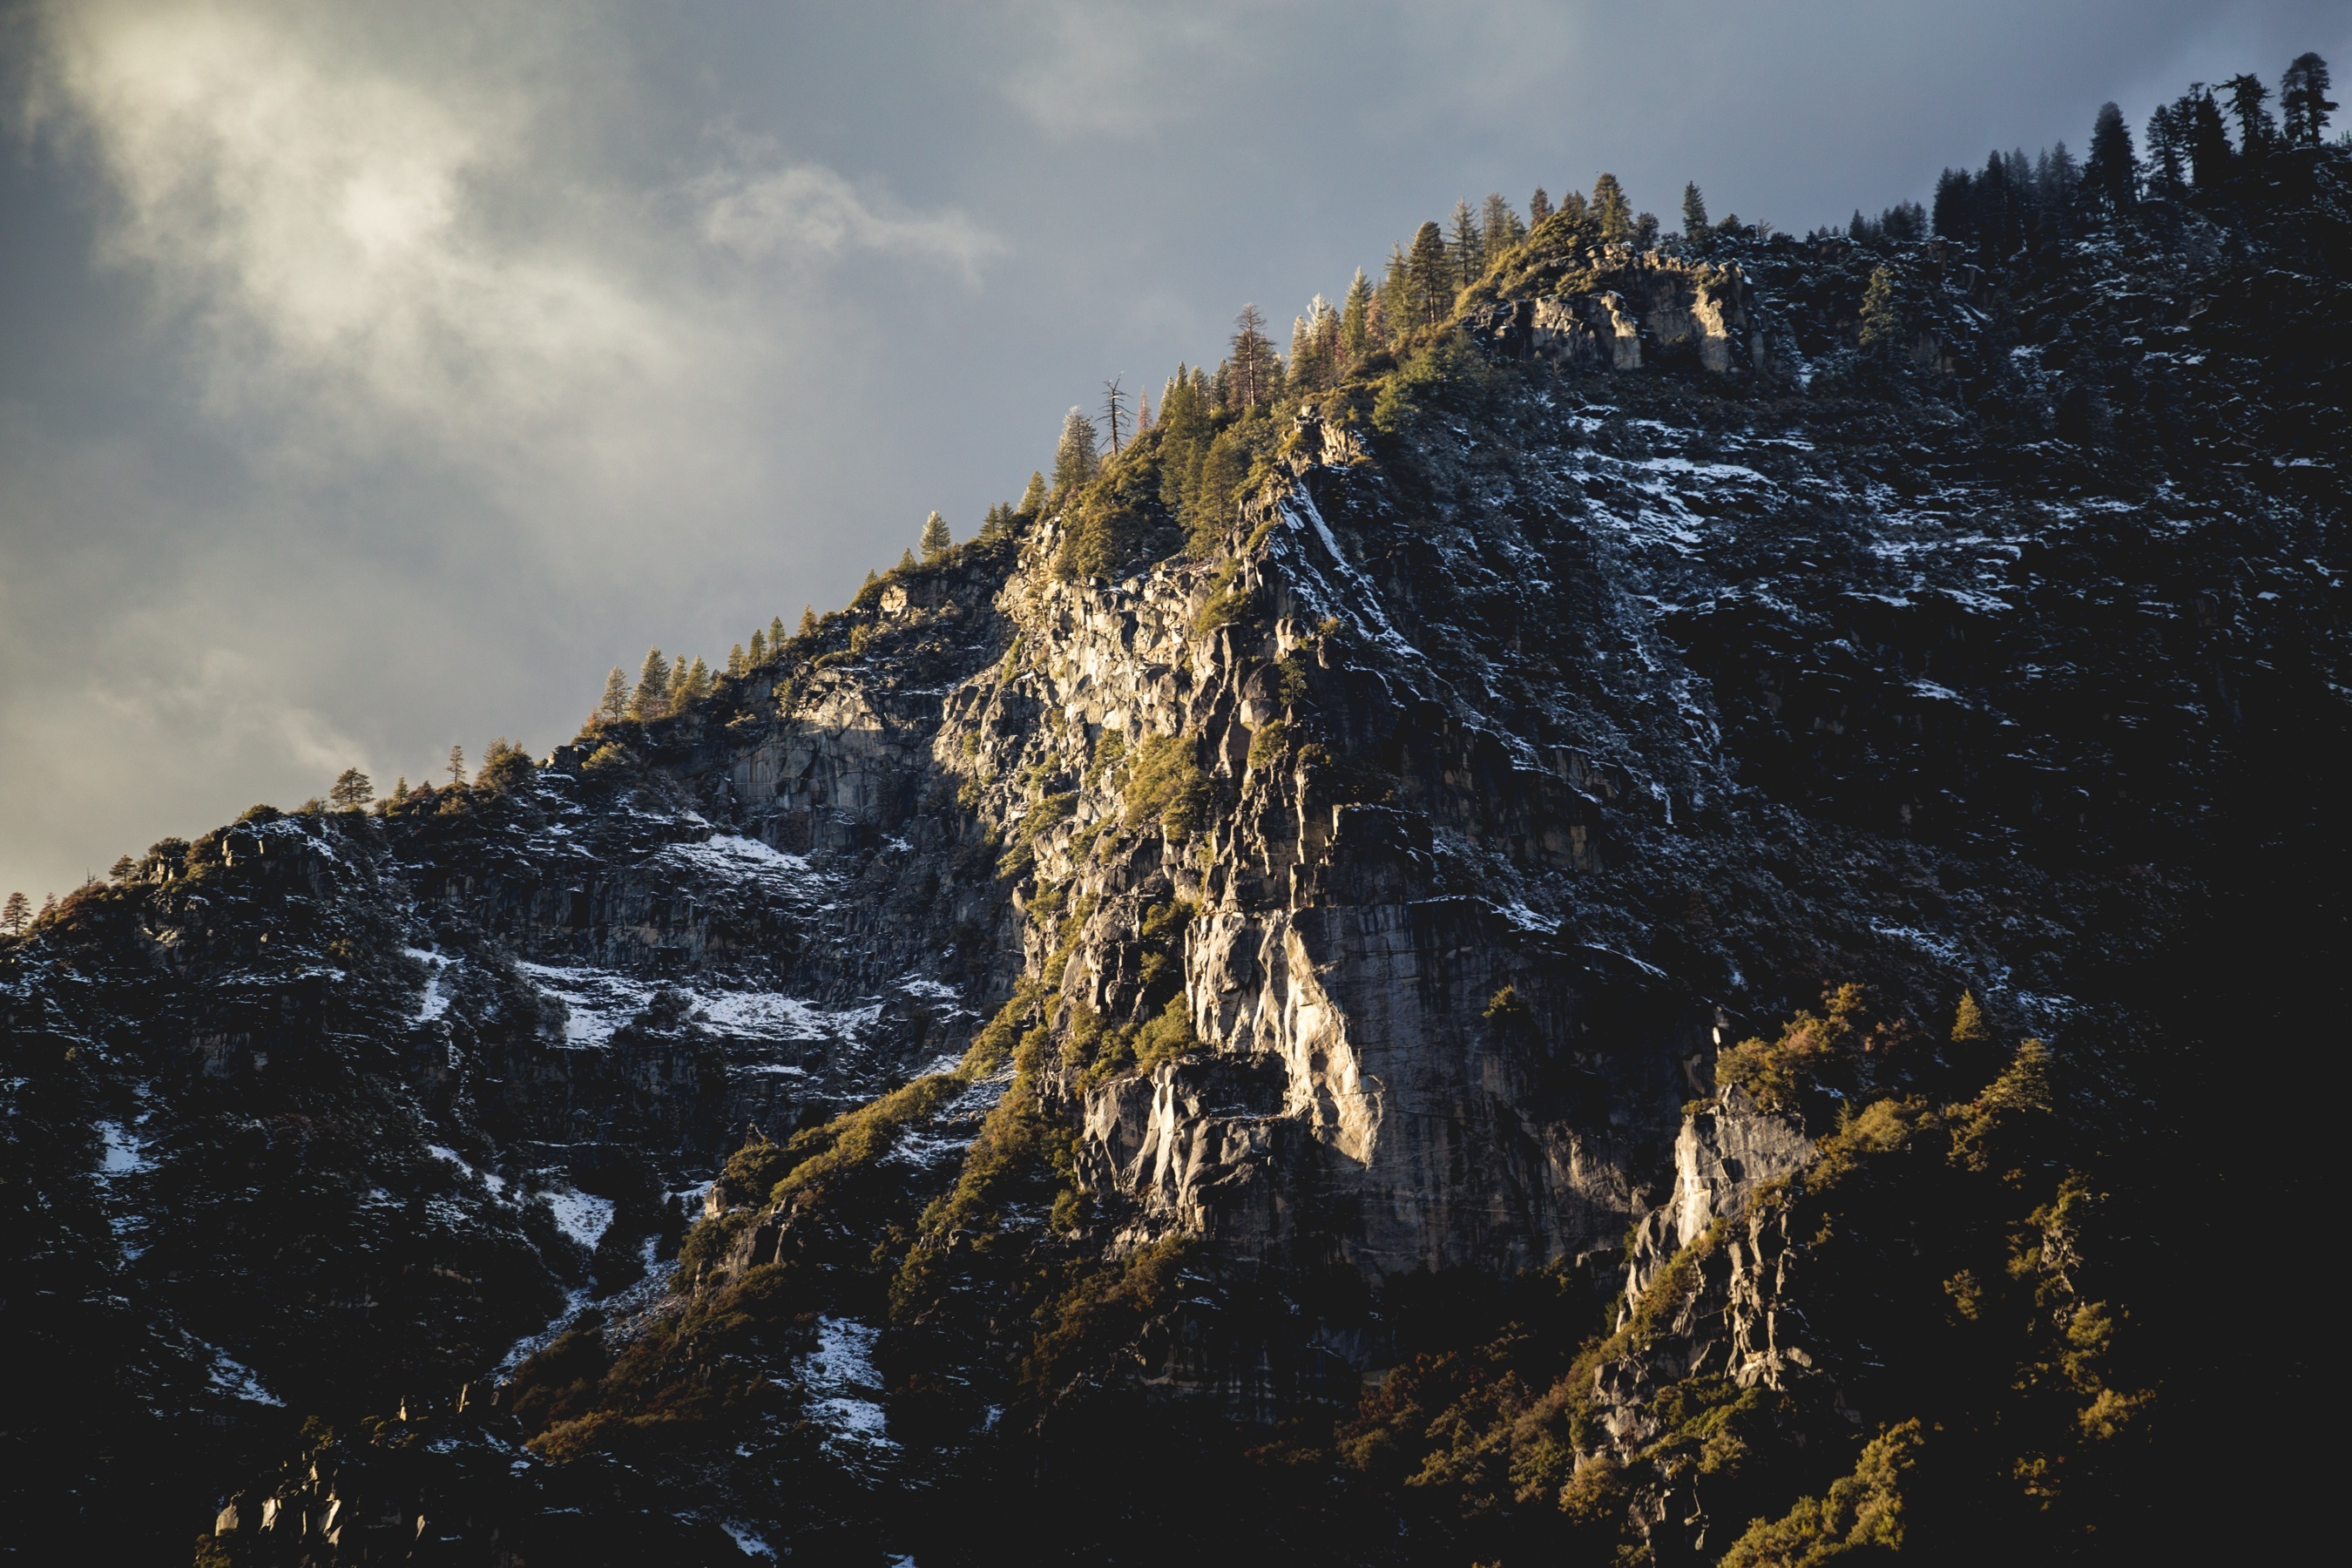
[1539, 208]
[1394, 310]
[1571, 205]
[16, 914]
[1035, 499]
[1968, 1027]
[2111, 176]
[1882, 312]
[457, 765]
[1075, 456]
[400, 790]
[1467, 248]
[1645, 231]
[678, 674]
[2168, 149]
[1356, 317]
[1498, 227]
[48, 905]
[2303, 100]
[2255, 132]
[693, 685]
[1252, 368]
[504, 767]
[1114, 410]
[615, 704]
[776, 633]
[905, 562]
[1432, 275]
[351, 790]
[1611, 210]
[759, 653]
[2210, 156]
[651, 699]
[809, 626]
[1142, 415]
[739, 664]
[1695, 211]
[936, 539]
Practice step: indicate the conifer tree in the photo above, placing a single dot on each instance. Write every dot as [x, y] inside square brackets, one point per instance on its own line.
[16, 912]
[651, 699]
[1695, 211]
[905, 562]
[2304, 106]
[1882, 312]
[936, 539]
[1114, 410]
[48, 905]
[776, 633]
[2255, 132]
[2111, 174]
[121, 869]
[1645, 231]
[1034, 499]
[1539, 208]
[506, 765]
[1075, 456]
[1392, 304]
[2168, 149]
[1431, 274]
[1467, 247]
[1571, 205]
[1253, 370]
[351, 790]
[1611, 210]
[1498, 227]
[693, 684]
[737, 664]
[457, 765]
[1356, 317]
[677, 676]
[2210, 156]
[400, 790]
[759, 653]
[614, 706]
[808, 627]
[1142, 415]
[1968, 1027]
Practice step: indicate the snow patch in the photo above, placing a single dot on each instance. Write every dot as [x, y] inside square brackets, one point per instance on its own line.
[435, 1001]
[732, 858]
[239, 1381]
[583, 1216]
[751, 1544]
[490, 1179]
[126, 1153]
[842, 1375]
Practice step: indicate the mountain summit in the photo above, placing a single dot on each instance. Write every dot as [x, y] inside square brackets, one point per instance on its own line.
[1642, 905]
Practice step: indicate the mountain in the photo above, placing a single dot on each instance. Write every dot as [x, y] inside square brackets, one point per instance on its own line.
[1663, 918]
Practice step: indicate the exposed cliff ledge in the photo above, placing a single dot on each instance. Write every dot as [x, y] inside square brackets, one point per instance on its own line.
[1163, 987]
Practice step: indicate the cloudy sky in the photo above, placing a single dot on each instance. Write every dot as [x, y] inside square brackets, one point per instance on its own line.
[374, 378]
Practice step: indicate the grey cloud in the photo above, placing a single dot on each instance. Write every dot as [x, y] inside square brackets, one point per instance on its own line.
[372, 377]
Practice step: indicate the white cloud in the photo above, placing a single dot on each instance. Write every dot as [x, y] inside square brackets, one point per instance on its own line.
[322, 220]
[805, 210]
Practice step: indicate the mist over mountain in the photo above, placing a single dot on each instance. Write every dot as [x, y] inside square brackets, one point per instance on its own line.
[1645, 895]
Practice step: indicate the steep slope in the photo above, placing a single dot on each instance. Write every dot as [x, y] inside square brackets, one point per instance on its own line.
[1266, 1021]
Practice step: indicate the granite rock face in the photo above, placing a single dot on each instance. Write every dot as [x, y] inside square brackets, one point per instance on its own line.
[1422, 839]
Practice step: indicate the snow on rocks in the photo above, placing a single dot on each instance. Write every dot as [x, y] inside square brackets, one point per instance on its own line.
[583, 1216]
[845, 1386]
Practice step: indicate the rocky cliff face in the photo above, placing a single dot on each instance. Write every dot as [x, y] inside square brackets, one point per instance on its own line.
[1357, 911]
